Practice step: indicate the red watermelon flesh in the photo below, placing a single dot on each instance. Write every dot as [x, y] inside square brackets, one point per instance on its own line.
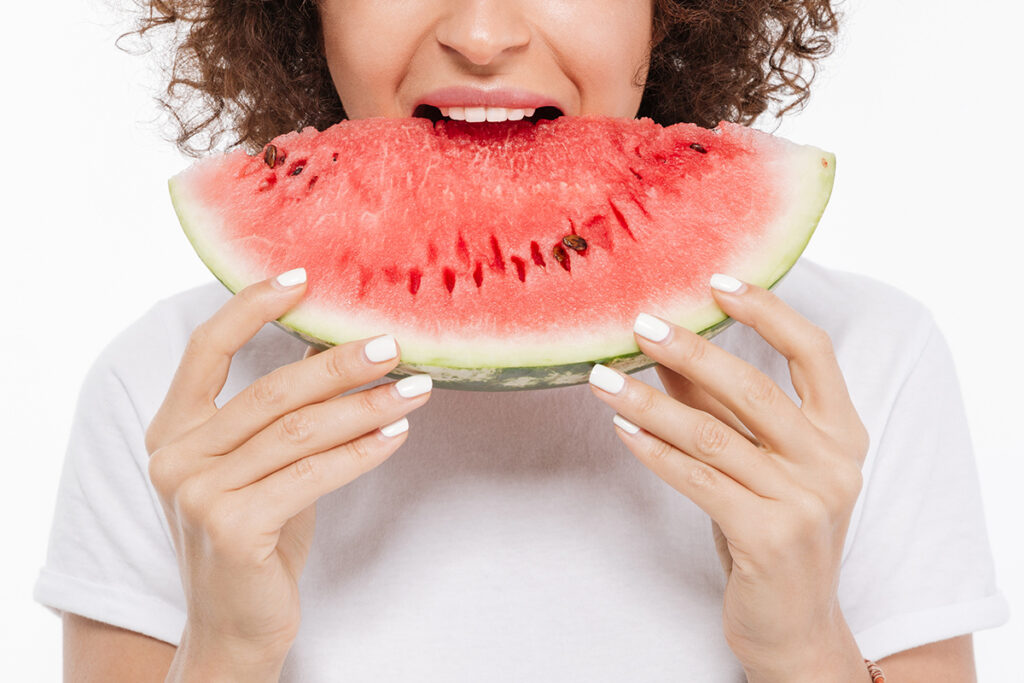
[506, 255]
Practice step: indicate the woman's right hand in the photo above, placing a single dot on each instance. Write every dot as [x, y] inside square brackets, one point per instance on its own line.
[239, 483]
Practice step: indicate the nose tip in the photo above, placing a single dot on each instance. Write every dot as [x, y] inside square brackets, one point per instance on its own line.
[484, 30]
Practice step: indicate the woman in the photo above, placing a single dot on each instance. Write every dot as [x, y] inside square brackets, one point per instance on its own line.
[512, 539]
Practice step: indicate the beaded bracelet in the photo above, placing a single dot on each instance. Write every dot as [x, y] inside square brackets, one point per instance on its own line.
[876, 673]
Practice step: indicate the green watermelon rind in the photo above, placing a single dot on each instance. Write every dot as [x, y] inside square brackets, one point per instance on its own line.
[527, 372]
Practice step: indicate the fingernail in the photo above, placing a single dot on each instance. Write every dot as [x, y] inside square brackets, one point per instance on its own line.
[291, 278]
[649, 327]
[395, 428]
[625, 424]
[380, 349]
[603, 377]
[725, 283]
[413, 385]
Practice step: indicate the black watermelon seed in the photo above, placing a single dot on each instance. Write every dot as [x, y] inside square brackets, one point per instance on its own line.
[697, 147]
[270, 155]
[561, 256]
[575, 242]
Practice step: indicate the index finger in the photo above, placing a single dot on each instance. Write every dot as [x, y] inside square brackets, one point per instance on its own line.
[813, 366]
[292, 386]
[204, 365]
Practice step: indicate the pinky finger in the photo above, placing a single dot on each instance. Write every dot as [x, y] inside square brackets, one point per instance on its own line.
[288, 491]
[724, 499]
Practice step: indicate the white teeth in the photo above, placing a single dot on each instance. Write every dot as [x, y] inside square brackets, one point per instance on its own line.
[493, 114]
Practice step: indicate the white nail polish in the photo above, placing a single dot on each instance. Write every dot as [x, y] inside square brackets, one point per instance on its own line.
[649, 327]
[395, 428]
[291, 278]
[381, 349]
[625, 424]
[725, 283]
[414, 385]
[607, 379]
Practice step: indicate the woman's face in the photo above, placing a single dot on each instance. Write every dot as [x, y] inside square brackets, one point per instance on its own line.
[582, 56]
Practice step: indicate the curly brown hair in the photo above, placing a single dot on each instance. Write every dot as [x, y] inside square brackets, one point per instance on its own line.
[256, 68]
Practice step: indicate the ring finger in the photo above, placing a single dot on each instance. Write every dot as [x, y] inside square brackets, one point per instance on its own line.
[694, 432]
[319, 427]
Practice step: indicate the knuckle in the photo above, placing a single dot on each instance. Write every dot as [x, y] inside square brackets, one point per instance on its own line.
[810, 516]
[296, 427]
[305, 469]
[268, 391]
[201, 337]
[192, 500]
[863, 440]
[248, 297]
[702, 476]
[334, 365]
[659, 451]
[154, 437]
[162, 470]
[777, 539]
[712, 438]
[224, 525]
[361, 455]
[812, 508]
[645, 401]
[849, 481]
[372, 401]
[694, 349]
[757, 387]
[819, 342]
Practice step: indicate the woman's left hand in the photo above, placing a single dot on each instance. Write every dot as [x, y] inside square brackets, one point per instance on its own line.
[779, 480]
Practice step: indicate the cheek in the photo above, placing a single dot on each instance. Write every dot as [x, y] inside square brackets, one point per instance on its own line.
[611, 56]
[365, 75]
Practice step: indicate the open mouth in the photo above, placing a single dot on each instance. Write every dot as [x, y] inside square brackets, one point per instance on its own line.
[426, 111]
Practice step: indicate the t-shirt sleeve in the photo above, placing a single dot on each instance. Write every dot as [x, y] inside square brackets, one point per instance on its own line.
[919, 567]
[110, 557]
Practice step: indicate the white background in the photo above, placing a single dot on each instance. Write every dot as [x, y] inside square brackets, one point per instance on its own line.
[919, 104]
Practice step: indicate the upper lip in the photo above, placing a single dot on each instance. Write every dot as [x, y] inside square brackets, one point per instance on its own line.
[469, 96]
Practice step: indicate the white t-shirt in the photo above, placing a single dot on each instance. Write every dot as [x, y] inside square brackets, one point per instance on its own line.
[513, 537]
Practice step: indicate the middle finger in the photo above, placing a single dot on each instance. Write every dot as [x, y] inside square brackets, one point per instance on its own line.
[320, 427]
[770, 415]
[311, 380]
[692, 431]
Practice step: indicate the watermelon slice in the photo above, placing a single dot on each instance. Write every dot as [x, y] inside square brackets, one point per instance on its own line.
[507, 255]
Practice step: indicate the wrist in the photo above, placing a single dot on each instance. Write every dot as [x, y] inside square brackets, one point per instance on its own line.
[223, 660]
[834, 657]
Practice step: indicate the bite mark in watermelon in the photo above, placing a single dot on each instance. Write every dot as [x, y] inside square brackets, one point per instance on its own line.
[507, 255]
